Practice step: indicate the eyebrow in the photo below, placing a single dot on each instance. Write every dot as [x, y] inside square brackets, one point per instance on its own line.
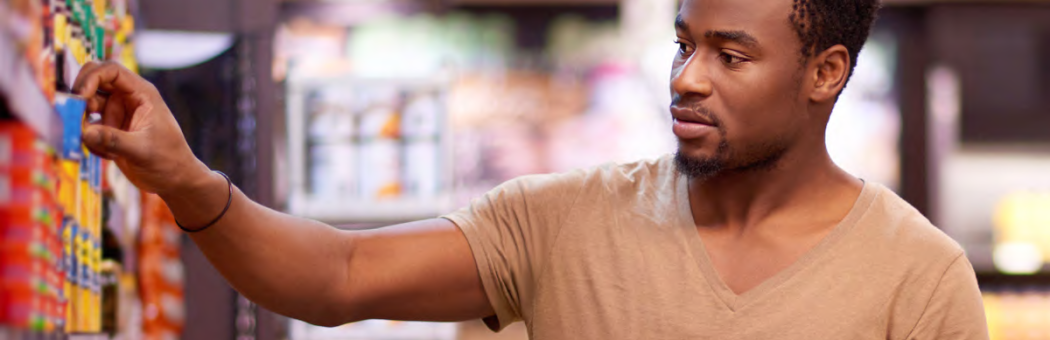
[737, 36]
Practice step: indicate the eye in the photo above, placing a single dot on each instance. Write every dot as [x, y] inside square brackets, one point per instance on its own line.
[731, 59]
[684, 48]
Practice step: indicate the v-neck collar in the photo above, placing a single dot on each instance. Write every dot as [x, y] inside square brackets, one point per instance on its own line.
[735, 301]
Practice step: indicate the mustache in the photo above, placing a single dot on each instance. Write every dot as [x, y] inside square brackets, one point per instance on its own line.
[696, 106]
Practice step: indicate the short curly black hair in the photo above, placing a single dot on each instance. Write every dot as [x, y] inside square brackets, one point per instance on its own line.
[821, 24]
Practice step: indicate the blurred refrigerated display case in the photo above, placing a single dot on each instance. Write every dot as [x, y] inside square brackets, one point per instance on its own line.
[368, 150]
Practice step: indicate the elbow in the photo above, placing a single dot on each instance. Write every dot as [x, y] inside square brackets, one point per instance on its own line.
[329, 319]
[333, 314]
[341, 302]
[328, 322]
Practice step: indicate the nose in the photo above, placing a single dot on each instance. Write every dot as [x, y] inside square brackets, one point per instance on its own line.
[691, 77]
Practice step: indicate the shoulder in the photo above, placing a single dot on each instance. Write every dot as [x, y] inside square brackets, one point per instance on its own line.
[558, 187]
[603, 176]
[907, 235]
[635, 175]
[928, 272]
[663, 165]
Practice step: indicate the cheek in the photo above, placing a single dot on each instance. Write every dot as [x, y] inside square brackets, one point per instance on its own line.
[757, 105]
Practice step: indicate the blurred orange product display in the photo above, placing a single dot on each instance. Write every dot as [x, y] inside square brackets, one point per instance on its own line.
[161, 278]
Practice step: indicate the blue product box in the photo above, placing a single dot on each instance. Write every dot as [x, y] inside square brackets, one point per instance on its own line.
[71, 109]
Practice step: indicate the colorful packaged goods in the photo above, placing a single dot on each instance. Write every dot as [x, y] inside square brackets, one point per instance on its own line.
[160, 272]
[31, 279]
[51, 196]
[50, 228]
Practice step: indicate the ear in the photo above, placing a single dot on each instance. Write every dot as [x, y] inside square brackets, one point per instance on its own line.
[829, 71]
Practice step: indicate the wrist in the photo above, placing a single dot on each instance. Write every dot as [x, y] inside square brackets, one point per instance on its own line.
[190, 181]
[229, 200]
[199, 200]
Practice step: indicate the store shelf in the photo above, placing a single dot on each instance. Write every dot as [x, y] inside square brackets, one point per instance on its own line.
[340, 211]
[12, 334]
[22, 93]
[992, 280]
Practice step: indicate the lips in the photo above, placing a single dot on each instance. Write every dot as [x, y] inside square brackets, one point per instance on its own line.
[690, 125]
[689, 116]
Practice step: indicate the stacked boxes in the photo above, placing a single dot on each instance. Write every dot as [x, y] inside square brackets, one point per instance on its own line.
[94, 30]
[81, 202]
[51, 196]
[84, 30]
[31, 272]
[51, 229]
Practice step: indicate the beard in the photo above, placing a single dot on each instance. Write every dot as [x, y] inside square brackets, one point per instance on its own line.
[702, 167]
[762, 157]
[727, 158]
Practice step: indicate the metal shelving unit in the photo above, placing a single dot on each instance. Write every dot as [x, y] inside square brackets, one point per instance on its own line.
[87, 337]
[9, 334]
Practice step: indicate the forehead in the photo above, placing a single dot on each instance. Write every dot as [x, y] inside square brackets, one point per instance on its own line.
[762, 18]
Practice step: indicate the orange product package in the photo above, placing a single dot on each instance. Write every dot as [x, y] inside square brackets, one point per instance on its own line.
[161, 275]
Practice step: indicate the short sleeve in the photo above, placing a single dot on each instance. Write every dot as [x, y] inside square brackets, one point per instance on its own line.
[511, 230]
[955, 310]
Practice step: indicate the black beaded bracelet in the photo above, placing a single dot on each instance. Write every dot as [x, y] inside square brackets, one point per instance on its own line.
[229, 200]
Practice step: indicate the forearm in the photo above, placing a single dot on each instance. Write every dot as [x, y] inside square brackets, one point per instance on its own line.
[293, 266]
[290, 265]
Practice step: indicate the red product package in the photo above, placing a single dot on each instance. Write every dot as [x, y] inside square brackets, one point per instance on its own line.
[29, 220]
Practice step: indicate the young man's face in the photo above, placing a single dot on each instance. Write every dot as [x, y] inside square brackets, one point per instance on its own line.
[736, 83]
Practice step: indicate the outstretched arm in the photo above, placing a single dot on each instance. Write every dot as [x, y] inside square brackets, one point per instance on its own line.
[297, 267]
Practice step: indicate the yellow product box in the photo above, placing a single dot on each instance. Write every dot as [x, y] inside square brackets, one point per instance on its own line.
[69, 307]
[100, 8]
[59, 27]
[83, 199]
[76, 50]
[68, 186]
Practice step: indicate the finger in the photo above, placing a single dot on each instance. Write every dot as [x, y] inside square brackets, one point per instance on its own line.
[109, 77]
[96, 103]
[78, 83]
[113, 114]
[112, 143]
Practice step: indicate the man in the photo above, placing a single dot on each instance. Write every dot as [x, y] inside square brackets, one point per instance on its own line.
[749, 232]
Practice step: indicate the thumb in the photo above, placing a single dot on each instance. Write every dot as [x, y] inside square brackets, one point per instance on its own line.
[112, 143]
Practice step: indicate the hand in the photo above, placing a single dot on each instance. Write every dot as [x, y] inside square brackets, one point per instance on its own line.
[137, 131]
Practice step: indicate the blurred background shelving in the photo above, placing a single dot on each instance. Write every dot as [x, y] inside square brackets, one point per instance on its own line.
[363, 113]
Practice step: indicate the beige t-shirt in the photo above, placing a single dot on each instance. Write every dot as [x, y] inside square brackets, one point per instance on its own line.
[613, 253]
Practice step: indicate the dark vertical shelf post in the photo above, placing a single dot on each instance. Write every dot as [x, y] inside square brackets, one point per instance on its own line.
[244, 149]
[258, 94]
[918, 175]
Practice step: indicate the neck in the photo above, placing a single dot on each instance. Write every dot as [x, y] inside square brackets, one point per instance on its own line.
[802, 185]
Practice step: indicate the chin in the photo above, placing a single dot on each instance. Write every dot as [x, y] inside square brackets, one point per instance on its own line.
[698, 165]
[694, 150]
